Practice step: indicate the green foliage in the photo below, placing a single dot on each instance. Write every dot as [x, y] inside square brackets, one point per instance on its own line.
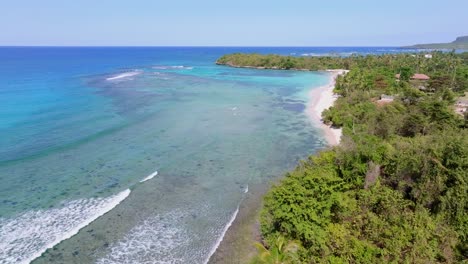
[281, 252]
[405, 73]
[396, 189]
[375, 74]
[336, 222]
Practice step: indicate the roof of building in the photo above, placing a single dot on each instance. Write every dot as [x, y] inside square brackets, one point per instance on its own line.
[420, 76]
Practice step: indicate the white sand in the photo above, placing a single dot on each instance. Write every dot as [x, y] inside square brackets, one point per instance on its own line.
[320, 99]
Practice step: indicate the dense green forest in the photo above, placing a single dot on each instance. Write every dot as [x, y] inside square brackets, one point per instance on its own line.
[396, 189]
[459, 43]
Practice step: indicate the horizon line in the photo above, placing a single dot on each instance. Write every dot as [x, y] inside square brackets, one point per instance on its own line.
[185, 46]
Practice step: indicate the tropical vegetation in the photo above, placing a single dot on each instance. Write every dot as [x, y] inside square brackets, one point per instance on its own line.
[396, 189]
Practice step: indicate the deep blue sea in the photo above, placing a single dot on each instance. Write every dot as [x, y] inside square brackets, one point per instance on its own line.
[141, 155]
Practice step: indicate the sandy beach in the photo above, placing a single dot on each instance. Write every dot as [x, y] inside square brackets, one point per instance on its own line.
[237, 245]
[320, 99]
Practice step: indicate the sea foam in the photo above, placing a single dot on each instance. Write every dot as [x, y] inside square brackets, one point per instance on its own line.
[225, 229]
[149, 177]
[177, 236]
[124, 75]
[157, 239]
[221, 237]
[178, 67]
[30, 234]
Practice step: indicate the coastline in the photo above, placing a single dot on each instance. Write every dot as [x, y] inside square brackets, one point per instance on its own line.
[320, 99]
[237, 244]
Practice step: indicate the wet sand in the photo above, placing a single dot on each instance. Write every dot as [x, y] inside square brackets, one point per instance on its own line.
[238, 244]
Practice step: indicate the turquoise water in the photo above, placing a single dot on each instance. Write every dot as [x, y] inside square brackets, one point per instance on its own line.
[81, 128]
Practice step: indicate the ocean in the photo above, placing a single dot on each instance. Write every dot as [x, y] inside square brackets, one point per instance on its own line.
[142, 155]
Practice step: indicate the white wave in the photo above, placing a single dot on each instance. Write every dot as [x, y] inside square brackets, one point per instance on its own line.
[333, 54]
[149, 177]
[156, 240]
[220, 238]
[30, 234]
[124, 75]
[391, 50]
[246, 189]
[172, 67]
[175, 237]
[316, 54]
[160, 76]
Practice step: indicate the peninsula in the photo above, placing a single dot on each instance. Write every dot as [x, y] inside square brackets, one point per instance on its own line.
[461, 43]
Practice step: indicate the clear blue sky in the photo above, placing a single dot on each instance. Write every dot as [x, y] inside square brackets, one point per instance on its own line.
[231, 23]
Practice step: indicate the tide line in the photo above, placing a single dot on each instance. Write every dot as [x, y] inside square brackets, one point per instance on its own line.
[226, 228]
[220, 239]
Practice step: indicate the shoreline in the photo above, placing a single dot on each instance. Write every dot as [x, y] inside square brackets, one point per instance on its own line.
[221, 238]
[320, 99]
[237, 244]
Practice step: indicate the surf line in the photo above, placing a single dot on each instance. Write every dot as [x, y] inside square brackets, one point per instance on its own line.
[124, 75]
[115, 200]
[220, 239]
[226, 228]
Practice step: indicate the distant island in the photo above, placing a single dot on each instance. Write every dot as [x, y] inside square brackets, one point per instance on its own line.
[461, 43]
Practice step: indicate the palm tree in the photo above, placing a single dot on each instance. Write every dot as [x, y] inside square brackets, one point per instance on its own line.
[280, 253]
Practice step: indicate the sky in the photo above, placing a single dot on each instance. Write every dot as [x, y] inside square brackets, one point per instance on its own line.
[230, 23]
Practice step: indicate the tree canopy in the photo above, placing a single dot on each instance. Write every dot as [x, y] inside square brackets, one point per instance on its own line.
[396, 189]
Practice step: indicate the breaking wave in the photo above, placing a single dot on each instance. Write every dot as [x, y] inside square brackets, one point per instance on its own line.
[157, 240]
[175, 237]
[340, 54]
[149, 177]
[221, 237]
[124, 75]
[30, 234]
[180, 67]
